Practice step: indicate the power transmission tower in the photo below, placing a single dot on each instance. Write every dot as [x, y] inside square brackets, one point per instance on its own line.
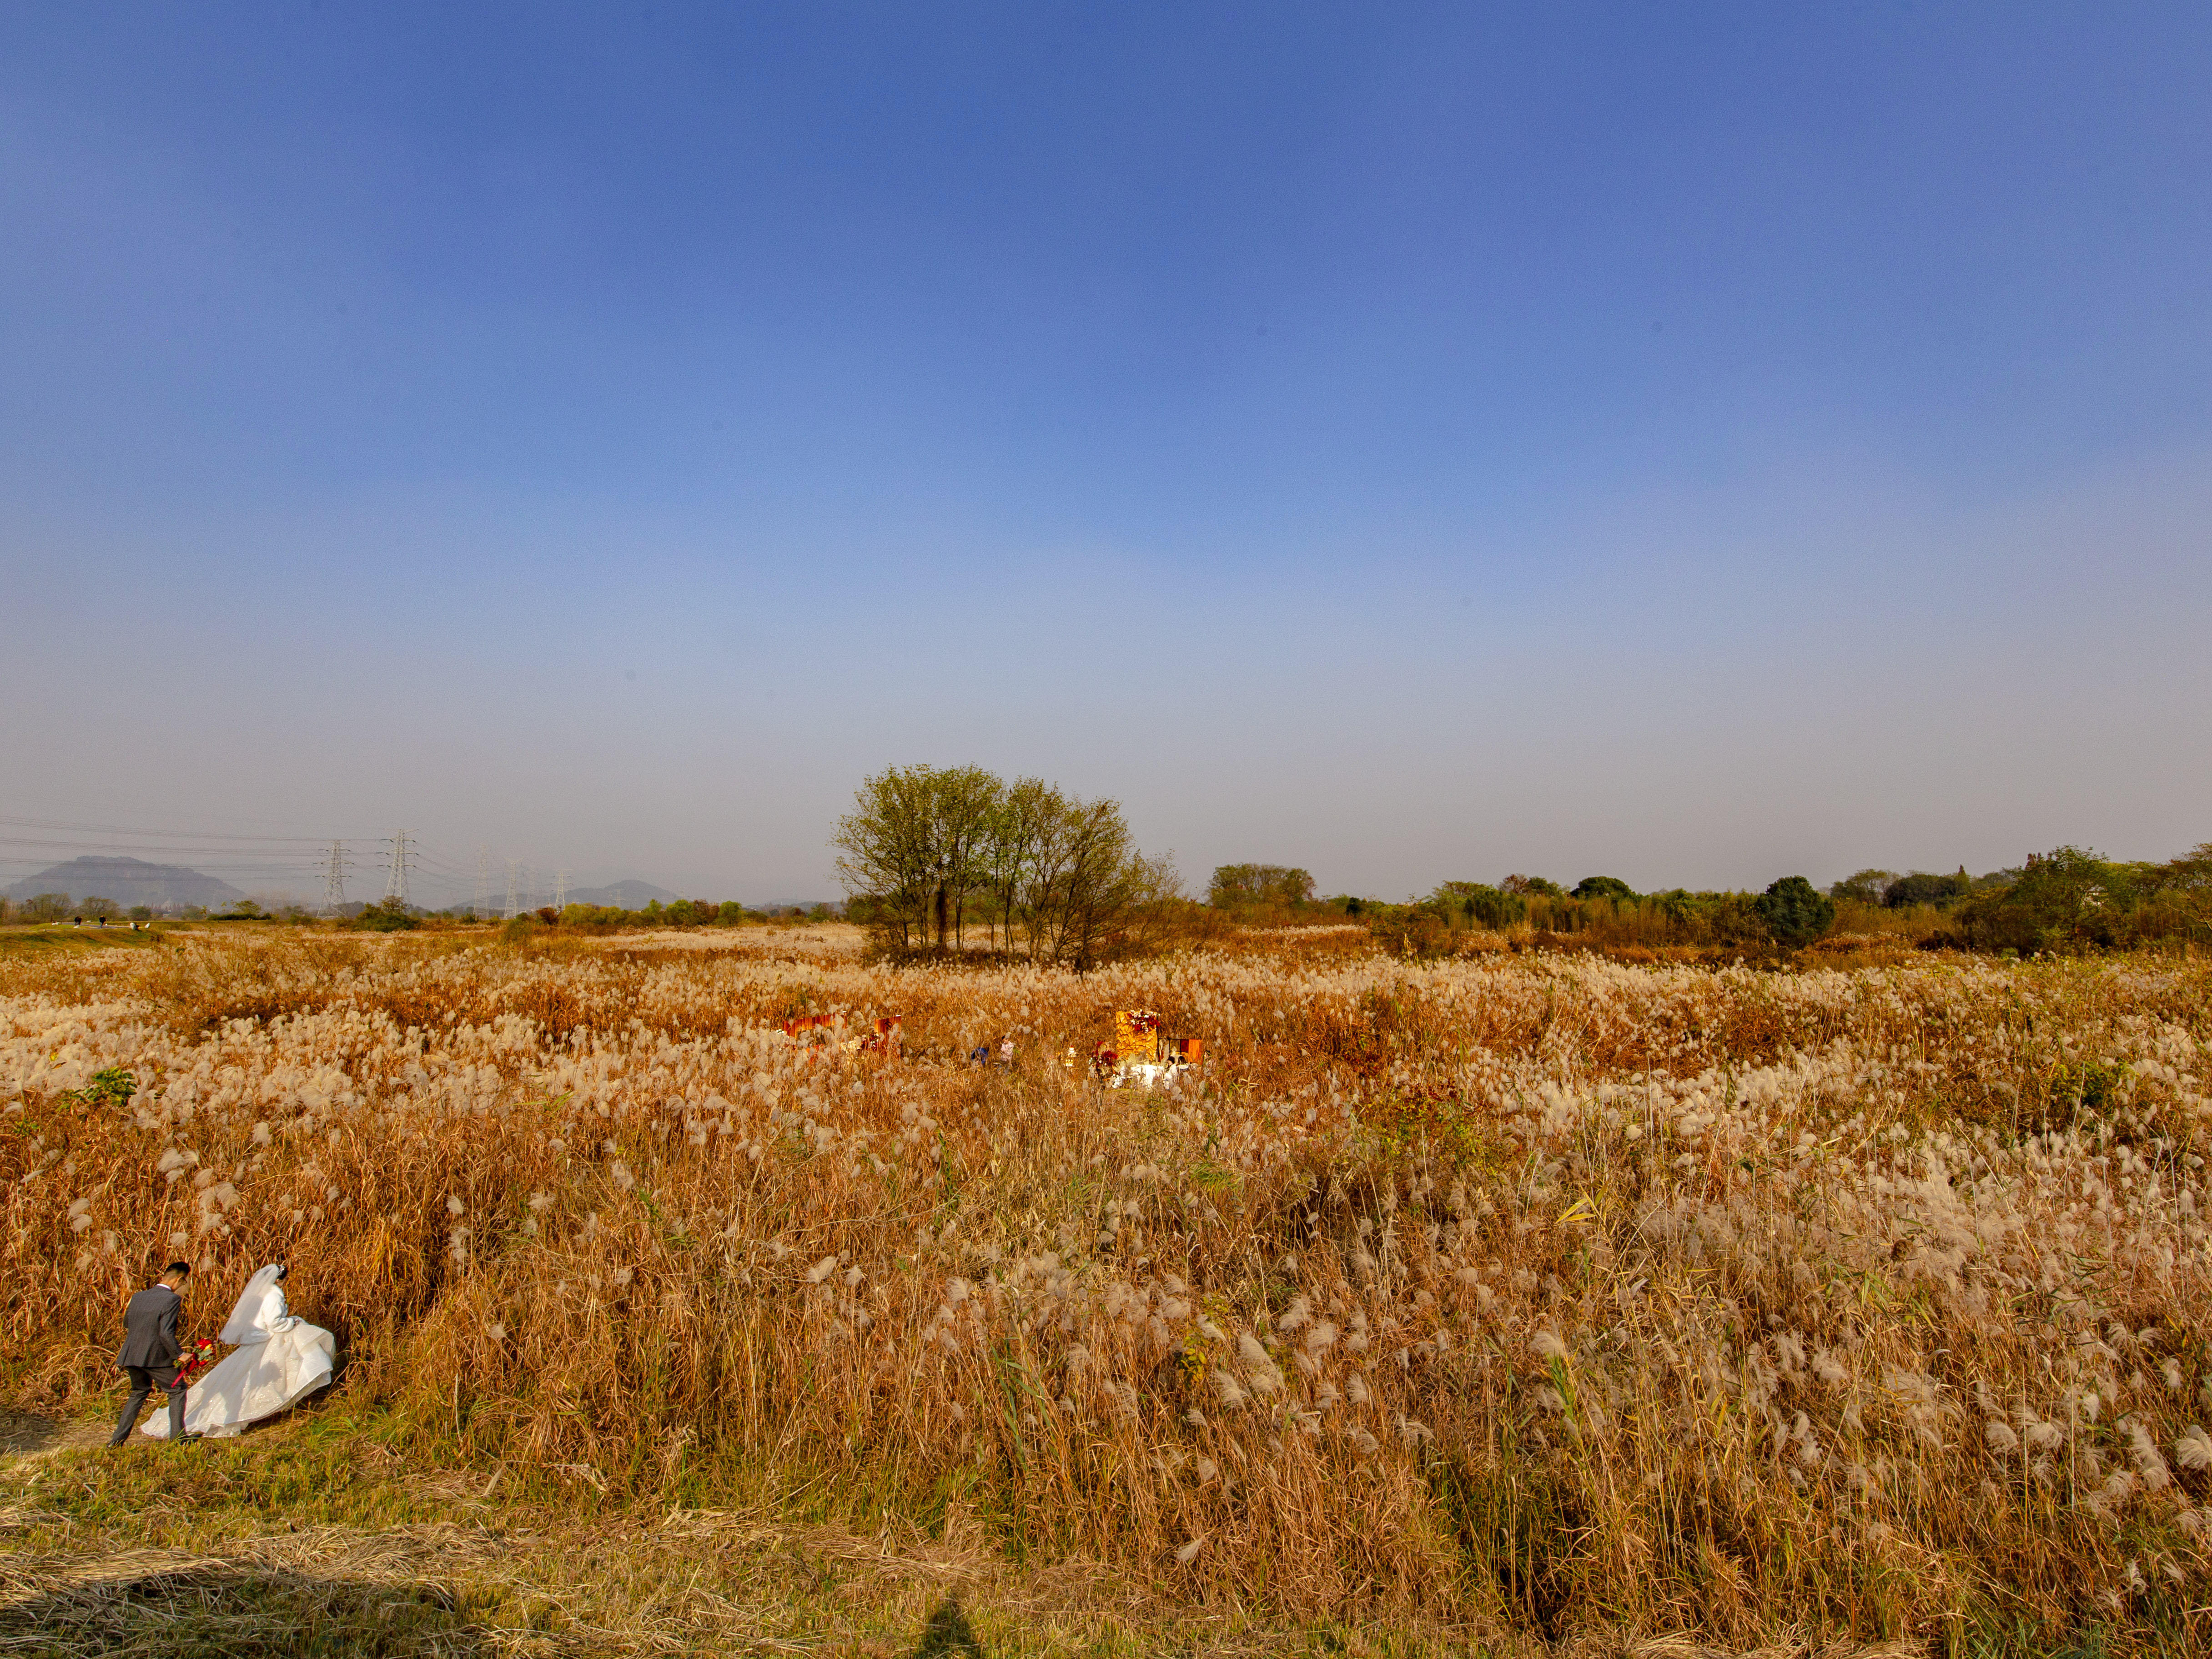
[560, 890]
[513, 892]
[483, 878]
[335, 866]
[402, 856]
[527, 894]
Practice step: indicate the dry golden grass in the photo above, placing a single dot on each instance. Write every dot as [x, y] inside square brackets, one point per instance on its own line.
[1552, 1297]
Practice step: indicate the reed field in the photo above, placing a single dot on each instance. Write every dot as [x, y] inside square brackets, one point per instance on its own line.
[1524, 1299]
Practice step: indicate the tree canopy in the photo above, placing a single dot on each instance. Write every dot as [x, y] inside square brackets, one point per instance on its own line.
[1795, 911]
[1057, 878]
[1242, 886]
[1604, 887]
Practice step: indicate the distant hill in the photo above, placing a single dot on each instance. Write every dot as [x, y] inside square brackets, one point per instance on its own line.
[128, 882]
[622, 895]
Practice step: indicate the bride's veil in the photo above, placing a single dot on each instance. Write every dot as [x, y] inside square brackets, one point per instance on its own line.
[242, 1325]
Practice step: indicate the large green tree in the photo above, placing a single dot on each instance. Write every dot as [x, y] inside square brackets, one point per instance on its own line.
[914, 844]
[1604, 887]
[1060, 877]
[2064, 899]
[1795, 911]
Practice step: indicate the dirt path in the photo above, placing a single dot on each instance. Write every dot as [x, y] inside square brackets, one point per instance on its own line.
[22, 1436]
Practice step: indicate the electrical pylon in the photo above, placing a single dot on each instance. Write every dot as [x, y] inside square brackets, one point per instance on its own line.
[483, 878]
[513, 892]
[560, 890]
[334, 865]
[402, 856]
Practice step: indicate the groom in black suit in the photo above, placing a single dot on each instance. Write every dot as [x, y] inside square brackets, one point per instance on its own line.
[150, 1351]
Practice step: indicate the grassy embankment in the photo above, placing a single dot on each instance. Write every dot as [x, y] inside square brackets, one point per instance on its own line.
[328, 1533]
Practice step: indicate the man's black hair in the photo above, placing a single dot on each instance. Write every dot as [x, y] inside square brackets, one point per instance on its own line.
[178, 1270]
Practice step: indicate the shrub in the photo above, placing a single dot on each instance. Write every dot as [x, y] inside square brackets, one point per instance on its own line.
[1411, 930]
[386, 916]
[1921, 887]
[1795, 913]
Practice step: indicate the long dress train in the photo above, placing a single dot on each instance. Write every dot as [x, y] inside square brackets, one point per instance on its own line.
[280, 1359]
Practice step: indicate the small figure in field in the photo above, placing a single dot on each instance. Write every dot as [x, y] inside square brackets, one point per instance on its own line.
[980, 1055]
[151, 1350]
[1006, 1051]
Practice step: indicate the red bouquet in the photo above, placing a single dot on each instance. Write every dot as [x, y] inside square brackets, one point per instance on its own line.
[195, 1361]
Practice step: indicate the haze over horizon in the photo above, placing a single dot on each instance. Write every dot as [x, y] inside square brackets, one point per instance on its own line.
[1695, 446]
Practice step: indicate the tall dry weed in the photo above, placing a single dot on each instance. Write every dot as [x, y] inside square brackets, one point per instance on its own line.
[1579, 1293]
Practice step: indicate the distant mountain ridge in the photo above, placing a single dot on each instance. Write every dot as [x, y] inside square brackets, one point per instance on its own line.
[127, 882]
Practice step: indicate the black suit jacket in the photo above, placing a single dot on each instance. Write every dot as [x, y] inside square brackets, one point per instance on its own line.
[150, 1328]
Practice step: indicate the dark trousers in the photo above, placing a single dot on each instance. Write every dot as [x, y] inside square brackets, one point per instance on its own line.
[143, 1380]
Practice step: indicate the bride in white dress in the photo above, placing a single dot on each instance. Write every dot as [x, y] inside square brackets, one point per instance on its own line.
[280, 1359]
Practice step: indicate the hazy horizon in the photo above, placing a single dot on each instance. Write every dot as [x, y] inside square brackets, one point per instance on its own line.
[1695, 446]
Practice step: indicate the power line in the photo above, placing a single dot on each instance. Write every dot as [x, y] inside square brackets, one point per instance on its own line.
[132, 849]
[166, 834]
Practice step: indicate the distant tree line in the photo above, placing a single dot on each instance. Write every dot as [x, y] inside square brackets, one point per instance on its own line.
[2070, 899]
[929, 854]
[1792, 913]
[677, 913]
[1891, 891]
[58, 906]
[2067, 899]
[394, 915]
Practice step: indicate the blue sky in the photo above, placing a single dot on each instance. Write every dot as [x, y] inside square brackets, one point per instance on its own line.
[1693, 443]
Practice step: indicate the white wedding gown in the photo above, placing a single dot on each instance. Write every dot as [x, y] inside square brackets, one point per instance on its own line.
[280, 1359]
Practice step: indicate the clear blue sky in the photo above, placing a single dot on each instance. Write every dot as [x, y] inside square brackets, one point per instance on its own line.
[1691, 443]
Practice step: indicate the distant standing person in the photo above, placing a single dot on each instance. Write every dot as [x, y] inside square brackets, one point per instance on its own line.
[151, 1350]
